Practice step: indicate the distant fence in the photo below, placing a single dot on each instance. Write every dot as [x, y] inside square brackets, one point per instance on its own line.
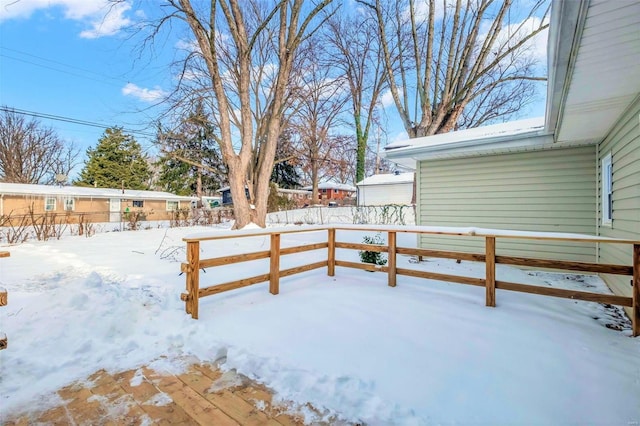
[194, 264]
[18, 228]
[393, 214]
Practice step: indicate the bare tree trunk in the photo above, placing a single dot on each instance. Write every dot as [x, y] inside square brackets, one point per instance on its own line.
[231, 38]
[315, 196]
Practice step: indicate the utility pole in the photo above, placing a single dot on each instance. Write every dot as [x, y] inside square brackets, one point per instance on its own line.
[377, 151]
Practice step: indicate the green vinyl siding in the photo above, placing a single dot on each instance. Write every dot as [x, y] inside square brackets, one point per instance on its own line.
[547, 190]
[623, 142]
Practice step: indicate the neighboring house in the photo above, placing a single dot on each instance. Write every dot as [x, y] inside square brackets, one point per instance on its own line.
[84, 203]
[385, 189]
[578, 170]
[207, 201]
[300, 197]
[330, 192]
[226, 195]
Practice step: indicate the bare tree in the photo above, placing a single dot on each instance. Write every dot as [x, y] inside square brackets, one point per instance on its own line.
[32, 153]
[239, 66]
[458, 63]
[358, 54]
[323, 96]
[341, 161]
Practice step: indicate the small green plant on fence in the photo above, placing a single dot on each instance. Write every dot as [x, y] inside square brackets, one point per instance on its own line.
[374, 257]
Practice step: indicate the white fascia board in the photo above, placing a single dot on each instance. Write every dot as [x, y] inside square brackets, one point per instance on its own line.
[410, 155]
[565, 32]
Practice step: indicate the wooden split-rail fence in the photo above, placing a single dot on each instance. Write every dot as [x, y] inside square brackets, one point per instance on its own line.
[194, 264]
[3, 302]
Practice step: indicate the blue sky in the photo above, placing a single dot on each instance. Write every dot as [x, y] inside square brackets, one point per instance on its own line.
[64, 58]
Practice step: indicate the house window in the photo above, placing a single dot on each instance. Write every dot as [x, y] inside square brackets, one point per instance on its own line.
[138, 203]
[607, 190]
[173, 206]
[49, 204]
[69, 204]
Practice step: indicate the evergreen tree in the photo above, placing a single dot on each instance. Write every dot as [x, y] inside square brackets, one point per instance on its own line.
[117, 161]
[285, 172]
[191, 163]
[175, 176]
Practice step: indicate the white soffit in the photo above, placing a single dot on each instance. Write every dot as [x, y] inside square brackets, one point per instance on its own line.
[606, 75]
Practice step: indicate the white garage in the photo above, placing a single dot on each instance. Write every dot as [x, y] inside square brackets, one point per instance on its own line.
[386, 189]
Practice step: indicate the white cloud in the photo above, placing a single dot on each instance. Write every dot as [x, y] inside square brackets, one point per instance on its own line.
[103, 17]
[511, 34]
[386, 99]
[110, 23]
[142, 93]
[537, 46]
[188, 45]
[399, 137]
[422, 10]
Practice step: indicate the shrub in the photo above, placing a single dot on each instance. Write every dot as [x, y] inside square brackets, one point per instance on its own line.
[374, 257]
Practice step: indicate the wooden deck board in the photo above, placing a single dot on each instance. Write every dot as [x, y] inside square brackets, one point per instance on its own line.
[146, 393]
[256, 395]
[199, 396]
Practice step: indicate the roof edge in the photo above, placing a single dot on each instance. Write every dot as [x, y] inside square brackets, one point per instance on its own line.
[565, 32]
[479, 142]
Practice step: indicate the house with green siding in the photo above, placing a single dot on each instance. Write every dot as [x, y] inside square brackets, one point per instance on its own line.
[575, 170]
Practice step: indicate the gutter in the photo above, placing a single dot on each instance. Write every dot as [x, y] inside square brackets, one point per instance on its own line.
[477, 143]
[565, 32]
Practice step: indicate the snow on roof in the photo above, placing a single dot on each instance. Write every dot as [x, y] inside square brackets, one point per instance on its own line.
[493, 131]
[387, 179]
[293, 191]
[88, 192]
[332, 185]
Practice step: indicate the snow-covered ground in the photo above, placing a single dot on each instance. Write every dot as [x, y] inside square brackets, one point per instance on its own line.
[425, 352]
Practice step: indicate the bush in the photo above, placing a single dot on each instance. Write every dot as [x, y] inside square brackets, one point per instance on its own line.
[374, 257]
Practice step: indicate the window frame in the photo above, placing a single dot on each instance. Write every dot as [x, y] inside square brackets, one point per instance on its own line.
[139, 202]
[46, 204]
[173, 203]
[73, 204]
[606, 195]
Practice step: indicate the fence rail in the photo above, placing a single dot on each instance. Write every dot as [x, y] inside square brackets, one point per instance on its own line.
[194, 264]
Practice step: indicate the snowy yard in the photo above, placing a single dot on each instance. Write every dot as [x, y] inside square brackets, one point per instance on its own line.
[424, 352]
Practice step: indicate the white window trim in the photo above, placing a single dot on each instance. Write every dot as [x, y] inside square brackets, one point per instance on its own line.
[137, 201]
[606, 177]
[73, 204]
[46, 199]
[177, 204]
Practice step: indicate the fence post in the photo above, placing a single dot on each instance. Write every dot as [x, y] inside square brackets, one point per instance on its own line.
[4, 299]
[635, 321]
[391, 270]
[193, 277]
[274, 269]
[490, 279]
[331, 256]
[3, 302]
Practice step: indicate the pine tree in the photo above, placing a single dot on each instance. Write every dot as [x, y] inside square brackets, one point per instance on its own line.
[285, 172]
[117, 161]
[191, 163]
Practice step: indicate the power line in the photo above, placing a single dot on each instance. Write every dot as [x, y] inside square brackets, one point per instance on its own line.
[59, 70]
[71, 120]
[101, 78]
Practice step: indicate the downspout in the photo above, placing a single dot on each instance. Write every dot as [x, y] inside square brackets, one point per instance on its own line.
[598, 202]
